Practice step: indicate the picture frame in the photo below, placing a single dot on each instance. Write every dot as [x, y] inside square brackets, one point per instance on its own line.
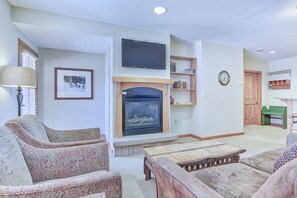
[73, 84]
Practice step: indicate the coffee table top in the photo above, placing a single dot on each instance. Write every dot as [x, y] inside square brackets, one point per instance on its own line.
[193, 151]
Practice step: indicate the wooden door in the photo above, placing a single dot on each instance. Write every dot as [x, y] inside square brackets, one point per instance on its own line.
[252, 97]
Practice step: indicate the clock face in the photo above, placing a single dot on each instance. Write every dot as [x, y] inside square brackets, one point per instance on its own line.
[224, 78]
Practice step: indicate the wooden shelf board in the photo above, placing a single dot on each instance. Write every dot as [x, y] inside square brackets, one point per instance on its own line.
[184, 104]
[181, 73]
[141, 80]
[182, 58]
[280, 72]
[183, 89]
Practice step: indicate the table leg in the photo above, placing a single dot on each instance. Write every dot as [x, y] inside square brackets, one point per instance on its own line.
[146, 170]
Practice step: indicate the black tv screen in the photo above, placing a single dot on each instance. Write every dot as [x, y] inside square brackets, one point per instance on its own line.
[142, 54]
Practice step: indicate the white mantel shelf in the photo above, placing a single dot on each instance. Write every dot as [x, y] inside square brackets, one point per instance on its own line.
[131, 79]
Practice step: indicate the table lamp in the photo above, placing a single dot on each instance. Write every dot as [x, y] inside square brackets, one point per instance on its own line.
[20, 77]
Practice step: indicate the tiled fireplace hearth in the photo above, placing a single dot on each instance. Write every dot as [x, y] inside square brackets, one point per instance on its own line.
[142, 114]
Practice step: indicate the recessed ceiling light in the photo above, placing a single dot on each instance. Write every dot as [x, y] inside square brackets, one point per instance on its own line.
[160, 10]
[272, 52]
[259, 49]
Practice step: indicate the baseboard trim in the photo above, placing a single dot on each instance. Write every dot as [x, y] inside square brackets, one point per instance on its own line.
[211, 137]
[276, 125]
[189, 135]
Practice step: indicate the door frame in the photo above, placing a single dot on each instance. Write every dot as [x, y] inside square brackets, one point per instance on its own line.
[259, 107]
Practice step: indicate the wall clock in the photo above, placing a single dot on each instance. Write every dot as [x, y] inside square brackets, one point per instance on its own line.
[224, 78]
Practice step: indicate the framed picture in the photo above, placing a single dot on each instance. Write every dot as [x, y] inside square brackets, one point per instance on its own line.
[73, 84]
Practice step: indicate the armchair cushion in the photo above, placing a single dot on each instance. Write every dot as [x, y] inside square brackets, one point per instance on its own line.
[13, 168]
[73, 135]
[232, 180]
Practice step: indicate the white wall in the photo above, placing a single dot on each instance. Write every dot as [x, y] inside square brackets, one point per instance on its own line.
[9, 35]
[283, 64]
[256, 64]
[220, 108]
[49, 20]
[70, 114]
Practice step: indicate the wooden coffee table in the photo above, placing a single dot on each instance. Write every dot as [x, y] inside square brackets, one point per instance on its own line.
[192, 156]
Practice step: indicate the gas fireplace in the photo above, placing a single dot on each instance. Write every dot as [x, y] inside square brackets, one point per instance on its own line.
[142, 111]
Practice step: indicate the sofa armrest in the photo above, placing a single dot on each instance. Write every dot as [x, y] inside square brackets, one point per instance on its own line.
[47, 164]
[175, 182]
[96, 182]
[73, 135]
[282, 183]
[291, 139]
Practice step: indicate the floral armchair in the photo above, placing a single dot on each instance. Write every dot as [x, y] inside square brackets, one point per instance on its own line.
[27, 171]
[32, 131]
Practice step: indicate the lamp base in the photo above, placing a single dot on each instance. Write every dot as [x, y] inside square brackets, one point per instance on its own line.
[19, 97]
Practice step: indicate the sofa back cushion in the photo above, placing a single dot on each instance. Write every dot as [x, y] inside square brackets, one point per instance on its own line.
[13, 167]
[33, 126]
[288, 155]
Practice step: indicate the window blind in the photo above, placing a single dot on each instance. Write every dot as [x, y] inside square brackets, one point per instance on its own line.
[29, 58]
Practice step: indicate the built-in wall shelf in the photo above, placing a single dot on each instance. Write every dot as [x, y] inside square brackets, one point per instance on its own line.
[184, 70]
[280, 84]
[287, 71]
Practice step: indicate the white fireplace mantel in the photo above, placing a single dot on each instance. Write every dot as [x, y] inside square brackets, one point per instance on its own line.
[125, 82]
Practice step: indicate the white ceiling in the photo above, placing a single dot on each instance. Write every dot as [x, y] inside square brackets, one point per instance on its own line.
[250, 24]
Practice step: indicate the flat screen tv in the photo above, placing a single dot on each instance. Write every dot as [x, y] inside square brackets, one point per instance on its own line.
[140, 54]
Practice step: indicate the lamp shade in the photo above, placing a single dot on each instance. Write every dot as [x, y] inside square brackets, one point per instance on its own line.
[15, 76]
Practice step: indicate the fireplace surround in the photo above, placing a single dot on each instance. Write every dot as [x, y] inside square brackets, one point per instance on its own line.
[125, 84]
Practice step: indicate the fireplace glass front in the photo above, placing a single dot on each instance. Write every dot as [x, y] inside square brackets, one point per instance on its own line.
[142, 113]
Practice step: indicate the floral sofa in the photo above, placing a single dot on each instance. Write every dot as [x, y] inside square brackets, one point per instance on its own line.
[27, 171]
[32, 131]
[252, 177]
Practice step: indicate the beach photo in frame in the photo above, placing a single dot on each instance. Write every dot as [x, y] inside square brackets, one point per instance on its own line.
[73, 84]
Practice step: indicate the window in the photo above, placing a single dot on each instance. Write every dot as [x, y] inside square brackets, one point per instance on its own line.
[29, 58]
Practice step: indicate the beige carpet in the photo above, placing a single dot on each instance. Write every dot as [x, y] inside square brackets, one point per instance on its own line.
[255, 140]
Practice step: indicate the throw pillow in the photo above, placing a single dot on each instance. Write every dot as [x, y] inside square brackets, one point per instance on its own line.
[288, 155]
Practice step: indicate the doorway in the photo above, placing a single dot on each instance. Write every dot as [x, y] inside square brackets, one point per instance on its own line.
[252, 97]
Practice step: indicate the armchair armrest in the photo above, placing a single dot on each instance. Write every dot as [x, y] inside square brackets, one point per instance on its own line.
[174, 182]
[47, 164]
[73, 135]
[96, 182]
